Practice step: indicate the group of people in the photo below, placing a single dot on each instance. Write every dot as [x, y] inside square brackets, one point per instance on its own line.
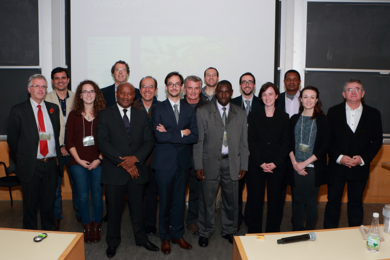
[122, 137]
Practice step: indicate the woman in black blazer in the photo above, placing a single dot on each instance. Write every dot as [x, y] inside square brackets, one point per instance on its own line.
[268, 140]
[310, 136]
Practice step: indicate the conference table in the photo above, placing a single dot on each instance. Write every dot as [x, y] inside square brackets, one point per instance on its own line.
[340, 243]
[19, 244]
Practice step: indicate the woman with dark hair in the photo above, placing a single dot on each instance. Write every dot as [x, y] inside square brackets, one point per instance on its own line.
[310, 136]
[268, 140]
[85, 162]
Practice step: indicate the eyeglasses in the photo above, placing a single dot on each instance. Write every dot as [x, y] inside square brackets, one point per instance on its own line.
[148, 87]
[353, 90]
[244, 82]
[171, 85]
[119, 70]
[86, 92]
[39, 86]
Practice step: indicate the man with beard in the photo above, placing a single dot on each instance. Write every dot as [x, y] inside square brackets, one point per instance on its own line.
[211, 78]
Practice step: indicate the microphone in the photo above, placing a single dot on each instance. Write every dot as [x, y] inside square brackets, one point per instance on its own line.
[311, 236]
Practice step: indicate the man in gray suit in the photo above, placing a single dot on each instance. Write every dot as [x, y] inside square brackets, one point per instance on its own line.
[222, 138]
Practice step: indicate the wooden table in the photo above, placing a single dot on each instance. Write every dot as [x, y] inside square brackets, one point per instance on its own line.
[19, 244]
[386, 165]
[341, 243]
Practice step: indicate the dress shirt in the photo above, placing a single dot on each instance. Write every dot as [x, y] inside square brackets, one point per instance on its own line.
[250, 102]
[292, 106]
[128, 113]
[353, 118]
[225, 150]
[51, 144]
[178, 109]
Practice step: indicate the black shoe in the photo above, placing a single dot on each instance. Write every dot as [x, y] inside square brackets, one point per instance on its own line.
[105, 218]
[150, 246]
[203, 241]
[111, 251]
[150, 230]
[229, 237]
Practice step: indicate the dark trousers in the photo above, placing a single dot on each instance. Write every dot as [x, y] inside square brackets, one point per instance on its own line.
[241, 184]
[255, 181]
[172, 186]
[355, 201]
[193, 199]
[115, 195]
[40, 192]
[305, 201]
[150, 200]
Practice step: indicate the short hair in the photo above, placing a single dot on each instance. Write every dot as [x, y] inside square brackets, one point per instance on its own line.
[213, 69]
[267, 85]
[292, 71]
[193, 78]
[173, 73]
[248, 74]
[318, 105]
[59, 69]
[353, 81]
[35, 76]
[148, 77]
[224, 82]
[121, 62]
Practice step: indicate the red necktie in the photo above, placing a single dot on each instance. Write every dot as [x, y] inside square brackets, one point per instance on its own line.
[43, 148]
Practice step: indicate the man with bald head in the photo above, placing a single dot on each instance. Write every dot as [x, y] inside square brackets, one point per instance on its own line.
[125, 139]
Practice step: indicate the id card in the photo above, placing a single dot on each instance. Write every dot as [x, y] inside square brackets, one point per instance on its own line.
[44, 136]
[88, 141]
[304, 147]
[224, 135]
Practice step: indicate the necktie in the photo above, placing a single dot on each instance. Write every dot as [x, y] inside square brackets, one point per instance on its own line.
[248, 107]
[224, 119]
[176, 111]
[126, 121]
[43, 148]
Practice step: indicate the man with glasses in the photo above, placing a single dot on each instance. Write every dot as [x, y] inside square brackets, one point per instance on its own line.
[357, 138]
[175, 129]
[33, 137]
[249, 102]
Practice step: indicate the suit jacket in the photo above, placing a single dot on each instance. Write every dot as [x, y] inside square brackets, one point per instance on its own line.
[255, 105]
[23, 138]
[281, 104]
[268, 142]
[109, 95]
[170, 146]
[366, 141]
[53, 98]
[113, 141]
[207, 152]
[321, 147]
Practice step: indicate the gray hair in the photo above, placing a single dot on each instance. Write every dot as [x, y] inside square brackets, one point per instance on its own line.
[35, 76]
[353, 81]
[193, 78]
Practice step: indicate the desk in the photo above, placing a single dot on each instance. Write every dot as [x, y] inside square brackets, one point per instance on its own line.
[19, 244]
[341, 243]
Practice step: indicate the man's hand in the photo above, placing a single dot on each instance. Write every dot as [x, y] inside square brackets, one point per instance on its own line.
[199, 174]
[160, 128]
[241, 174]
[347, 161]
[357, 160]
[128, 162]
[64, 152]
[133, 171]
[186, 132]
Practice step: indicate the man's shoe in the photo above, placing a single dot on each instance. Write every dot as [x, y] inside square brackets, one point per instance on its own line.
[193, 228]
[150, 230]
[229, 237]
[203, 241]
[149, 246]
[111, 251]
[166, 247]
[182, 243]
[58, 221]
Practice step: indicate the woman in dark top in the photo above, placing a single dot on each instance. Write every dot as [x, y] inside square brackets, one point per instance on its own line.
[268, 140]
[310, 140]
[85, 162]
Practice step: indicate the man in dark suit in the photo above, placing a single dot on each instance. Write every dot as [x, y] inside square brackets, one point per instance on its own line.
[175, 129]
[357, 138]
[120, 71]
[249, 102]
[125, 138]
[33, 136]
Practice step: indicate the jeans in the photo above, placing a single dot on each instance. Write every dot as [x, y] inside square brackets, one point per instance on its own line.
[86, 181]
[58, 199]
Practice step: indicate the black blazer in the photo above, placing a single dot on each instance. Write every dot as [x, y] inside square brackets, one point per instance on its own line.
[366, 141]
[113, 141]
[281, 104]
[23, 137]
[268, 142]
[321, 147]
[109, 95]
[256, 103]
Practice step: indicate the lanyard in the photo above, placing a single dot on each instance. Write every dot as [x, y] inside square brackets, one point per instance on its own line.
[84, 128]
[310, 129]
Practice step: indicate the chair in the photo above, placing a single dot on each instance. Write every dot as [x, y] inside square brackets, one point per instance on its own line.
[9, 181]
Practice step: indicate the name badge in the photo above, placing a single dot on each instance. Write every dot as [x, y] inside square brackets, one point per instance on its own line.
[88, 141]
[44, 136]
[304, 147]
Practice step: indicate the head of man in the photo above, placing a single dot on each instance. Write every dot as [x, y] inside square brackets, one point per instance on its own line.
[192, 88]
[224, 92]
[292, 81]
[353, 91]
[174, 84]
[37, 86]
[60, 78]
[211, 77]
[120, 72]
[247, 83]
[125, 94]
[148, 88]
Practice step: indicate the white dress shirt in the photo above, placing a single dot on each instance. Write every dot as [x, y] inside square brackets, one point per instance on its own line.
[225, 150]
[128, 112]
[292, 106]
[250, 102]
[178, 109]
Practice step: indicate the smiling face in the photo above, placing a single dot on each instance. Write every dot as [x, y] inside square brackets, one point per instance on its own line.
[353, 92]
[292, 83]
[223, 94]
[125, 95]
[148, 89]
[269, 97]
[120, 73]
[309, 99]
[174, 86]
[193, 90]
[60, 81]
[88, 94]
[247, 85]
[211, 78]
[37, 89]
